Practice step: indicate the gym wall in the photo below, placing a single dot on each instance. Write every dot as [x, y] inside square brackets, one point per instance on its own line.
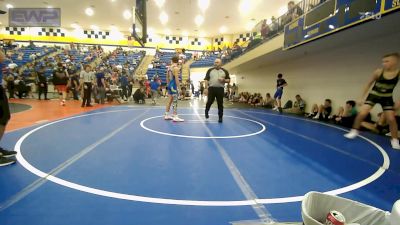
[339, 73]
[99, 37]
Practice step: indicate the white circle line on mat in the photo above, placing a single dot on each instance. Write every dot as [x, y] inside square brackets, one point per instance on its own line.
[142, 124]
[381, 170]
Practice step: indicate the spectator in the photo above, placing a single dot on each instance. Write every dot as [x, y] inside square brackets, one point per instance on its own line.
[236, 50]
[31, 45]
[340, 113]
[20, 56]
[192, 87]
[268, 102]
[60, 81]
[124, 86]
[294, 11]
[147, 87]
[324, 111]
[201, 89]
[32, 56]
[73, 81]
[130, 86]
[264, 29]
[101, 85]
[42, 83]
[74, 85]
[250, 99]
[314, 111]
[182, 92]
[298, 107]
[381, 126]
[10, 86]
[139, 96]
[348, 116]
[155, 85]
[12, 66]
[233, 92]
[244, 97]
[182, 56]
[21, 86]
[257, 100]
[273, 27]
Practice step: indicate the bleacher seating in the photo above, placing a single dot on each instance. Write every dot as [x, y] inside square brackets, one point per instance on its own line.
[161, 72]
[27, 51]
[164, 60]
[78, 59]
[166, 57]
[208, 61]
[132, 58]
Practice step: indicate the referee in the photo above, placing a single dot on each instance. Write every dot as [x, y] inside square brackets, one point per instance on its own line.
[87, 79]
[215, 80]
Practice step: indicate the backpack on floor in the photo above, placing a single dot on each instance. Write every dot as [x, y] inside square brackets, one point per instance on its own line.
[288, 105]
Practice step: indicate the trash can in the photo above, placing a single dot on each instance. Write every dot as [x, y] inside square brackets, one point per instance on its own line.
[316, 206]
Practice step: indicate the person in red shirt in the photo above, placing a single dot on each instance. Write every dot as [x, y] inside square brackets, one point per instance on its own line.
[148, 89]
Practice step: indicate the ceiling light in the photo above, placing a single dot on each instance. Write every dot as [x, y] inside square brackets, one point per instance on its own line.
[130, 29]
[245, 7]
[49, 7]
[9, 6]
[269, 21]
[282, 10]
[223, 29]
[159, 3]
[113, 0]
[94, 27]
[203, 4]
[164, 17]
[89, 11]
[185, 34]
[167, 31]
[127, 14]
[199, 20]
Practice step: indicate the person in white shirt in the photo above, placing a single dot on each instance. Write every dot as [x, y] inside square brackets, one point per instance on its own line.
[87, 79]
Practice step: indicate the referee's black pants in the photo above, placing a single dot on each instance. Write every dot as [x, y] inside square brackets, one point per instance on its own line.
[87, 94]
[216, 93]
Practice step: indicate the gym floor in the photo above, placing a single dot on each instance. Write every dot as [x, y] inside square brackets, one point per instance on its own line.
[126, 165]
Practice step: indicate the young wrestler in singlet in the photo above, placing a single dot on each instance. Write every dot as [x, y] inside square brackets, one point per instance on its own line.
[173, 89]
[384, 81]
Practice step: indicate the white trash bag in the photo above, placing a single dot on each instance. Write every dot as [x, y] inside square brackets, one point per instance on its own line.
[395, 217]
[316, 206]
